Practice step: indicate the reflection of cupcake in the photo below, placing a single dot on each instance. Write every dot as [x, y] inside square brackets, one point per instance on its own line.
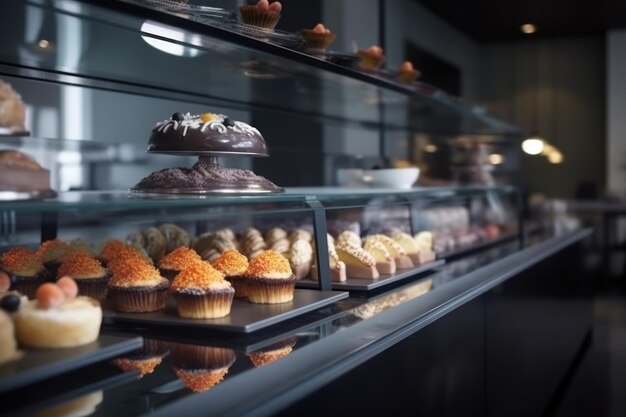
[201, 292]
[263, 14]
[233, 265]
[137, 287]
[407, 74]
[88, 273]
[269, 279]
[372, 58]
[273, 352]
[51, 253]
[145, 361]
[317, 38]
[25, 269]
[176, 261]
[202, 367]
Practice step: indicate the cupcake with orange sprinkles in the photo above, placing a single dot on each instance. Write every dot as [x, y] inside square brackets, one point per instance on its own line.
[25, 269]
[177, 260]
[51, 253]
[137, 287]
[233, 265]
[202, 367]
[201, 292]
[110, 249]
[269, 279]
[89, 274]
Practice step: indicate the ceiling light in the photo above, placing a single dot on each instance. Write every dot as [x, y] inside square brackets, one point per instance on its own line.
[533, 145]
[43, 43]
[528, 28]
[496, 159]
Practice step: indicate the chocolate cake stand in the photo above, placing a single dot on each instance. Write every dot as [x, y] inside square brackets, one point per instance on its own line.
[207, 177]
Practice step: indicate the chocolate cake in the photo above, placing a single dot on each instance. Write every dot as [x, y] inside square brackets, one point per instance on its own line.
[20, 172]
[205, 133]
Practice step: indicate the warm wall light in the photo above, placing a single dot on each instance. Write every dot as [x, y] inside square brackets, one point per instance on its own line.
[528, 28]
[430, 148]
[533, 145]
[496, 159]
[555, 157]
[43, 43]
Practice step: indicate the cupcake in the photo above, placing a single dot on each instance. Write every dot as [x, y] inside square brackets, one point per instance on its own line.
[263, 14]
[272, 352]
[176, 261]
[202, 367]
[137, 287]
[201, 292]
[372, 58]
[144, 361]
[269, 279]
[233, 265]
[51, 252]
[317, 38]
[88, 273]
[82, 246]
[407, 74]
[25, 269]
[58, 318]
[110, 249]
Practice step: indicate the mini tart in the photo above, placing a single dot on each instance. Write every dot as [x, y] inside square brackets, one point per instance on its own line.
[201, 292]
[397, 251]
[51, 252]
[89, 274]
[317, 38]
[75, 322]
[202, 367]
[233, 265]
[371, 60]
[25, 270]
[137, 287]
[258, 16]
[359, 263]
[272, 353]
[385, 263]
[176, 261]
[269, 279]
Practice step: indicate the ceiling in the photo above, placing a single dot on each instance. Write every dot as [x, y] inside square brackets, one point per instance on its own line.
[494, 20]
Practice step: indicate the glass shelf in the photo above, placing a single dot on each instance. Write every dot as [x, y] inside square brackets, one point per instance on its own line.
[221, 67]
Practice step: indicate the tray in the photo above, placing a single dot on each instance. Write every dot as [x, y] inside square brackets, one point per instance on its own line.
[244, 317]
[338, 58]
[356, 284]
[38, 364]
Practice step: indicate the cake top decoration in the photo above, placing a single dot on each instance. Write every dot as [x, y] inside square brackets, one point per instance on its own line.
[179, 258]
[198, 275]
[231, 263]
[22, 261]
[80, 264]
[269, 264]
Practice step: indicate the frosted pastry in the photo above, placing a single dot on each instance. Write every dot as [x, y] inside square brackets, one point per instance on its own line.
[385, 263]
[397, 251]
[410, 246]
[276, 240]
[137, 287]
[269, 279]
[425, 242]
[349, 238]
[252, 243]
[359, 263]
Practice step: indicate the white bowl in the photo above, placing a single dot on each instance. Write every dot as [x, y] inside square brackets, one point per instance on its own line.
[350, 177]
[399, 178]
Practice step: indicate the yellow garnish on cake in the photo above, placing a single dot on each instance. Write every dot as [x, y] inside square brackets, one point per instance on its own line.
[80, 265]
[180, 259]
[198, 275]
[269, 264]
[21, 260]
[231, 263]
[208, 117]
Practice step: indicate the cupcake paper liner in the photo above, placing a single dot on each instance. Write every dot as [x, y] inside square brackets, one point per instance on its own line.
[209, 305]
[239, 285]
[138, 299]
[93, 287]
[265, 19]
[270, 291]
[28, 285]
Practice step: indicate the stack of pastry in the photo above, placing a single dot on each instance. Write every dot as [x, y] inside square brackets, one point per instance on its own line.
[276, 240]
[159, 241]
[210, 245]
[252, 243]
[337, 266]
[402, 260]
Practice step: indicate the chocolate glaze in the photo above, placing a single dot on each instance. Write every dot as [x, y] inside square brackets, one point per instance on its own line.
[193, 134]
[204, 176]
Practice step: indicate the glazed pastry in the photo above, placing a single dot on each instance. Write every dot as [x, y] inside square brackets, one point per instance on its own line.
[57, 318]
[301, 258]
[233, 265]
[410, 246]
[202, 367]
[137, 287]
[20, 172]
[398, 253]
[8, 344]
[252, 243]
[407, 74]
[359, 263]
[12, 110]
[201, 292]
[300, 234]
[156, 245]
[51, 253]
[175, 236]
[317, 38]
[385, 263]
[372, 58]
[272, 352]
[263, 14]
[349, 238]
[424, 241]
[88, 273]
[276, 240]
[25, 269]
[269, 279]
[174, 262]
